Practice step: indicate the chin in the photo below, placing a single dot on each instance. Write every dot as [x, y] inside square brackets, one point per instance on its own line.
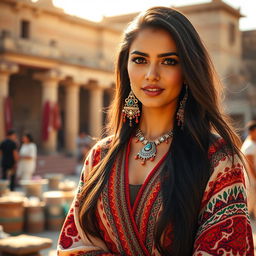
[158, 103]
[152, 104]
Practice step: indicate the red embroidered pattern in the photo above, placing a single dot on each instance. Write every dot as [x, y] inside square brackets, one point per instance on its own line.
[110, 244]
[215, 147]
[227, 177]
[227, 236]
[147, 211]
[96, 156]
[114, 211]
[69, 233]
[224, 227]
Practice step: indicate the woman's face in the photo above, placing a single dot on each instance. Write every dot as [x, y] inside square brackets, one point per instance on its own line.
[25, 139]
[154, 69]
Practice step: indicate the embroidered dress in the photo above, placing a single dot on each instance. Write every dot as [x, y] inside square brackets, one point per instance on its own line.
[223, 223]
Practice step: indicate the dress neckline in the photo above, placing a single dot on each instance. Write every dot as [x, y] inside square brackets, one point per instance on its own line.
[146, 181]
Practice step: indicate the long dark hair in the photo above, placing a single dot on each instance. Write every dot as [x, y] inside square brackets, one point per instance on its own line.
[187, 168]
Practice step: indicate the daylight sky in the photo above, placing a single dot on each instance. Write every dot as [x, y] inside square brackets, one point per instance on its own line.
[95, 9]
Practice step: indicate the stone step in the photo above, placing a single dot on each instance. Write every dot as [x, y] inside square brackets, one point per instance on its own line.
[55, 164]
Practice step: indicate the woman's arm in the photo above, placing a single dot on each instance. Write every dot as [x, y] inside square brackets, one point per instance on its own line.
[224, 225]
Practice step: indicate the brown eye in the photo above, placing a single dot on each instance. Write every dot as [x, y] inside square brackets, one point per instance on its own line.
[139, 60]
[170, 62]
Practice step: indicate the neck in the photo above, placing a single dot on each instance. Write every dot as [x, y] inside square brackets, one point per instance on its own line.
[155, 123]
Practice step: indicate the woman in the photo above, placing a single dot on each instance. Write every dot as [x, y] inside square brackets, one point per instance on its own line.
[164, 183]
[27, 160]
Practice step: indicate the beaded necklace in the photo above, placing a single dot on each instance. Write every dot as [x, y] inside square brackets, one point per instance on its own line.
[150, 149]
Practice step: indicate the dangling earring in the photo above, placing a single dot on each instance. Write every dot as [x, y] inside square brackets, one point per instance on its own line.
[131, 109]
[181, 111]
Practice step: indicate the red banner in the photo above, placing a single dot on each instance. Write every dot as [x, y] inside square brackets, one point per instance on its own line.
[46, 121]
[51, 119]
[8, 116]
[56, 118]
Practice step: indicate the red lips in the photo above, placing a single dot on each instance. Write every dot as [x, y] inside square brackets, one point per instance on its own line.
[152, 90]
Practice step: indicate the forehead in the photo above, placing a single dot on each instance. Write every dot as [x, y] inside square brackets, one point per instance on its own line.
[153, 40]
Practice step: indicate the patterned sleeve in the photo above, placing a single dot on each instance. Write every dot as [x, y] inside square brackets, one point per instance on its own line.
[72, 239]
[224, 225]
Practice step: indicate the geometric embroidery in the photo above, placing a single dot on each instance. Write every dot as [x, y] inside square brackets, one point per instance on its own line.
[223, 222]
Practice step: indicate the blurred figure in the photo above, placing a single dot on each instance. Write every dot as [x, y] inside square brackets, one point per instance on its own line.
[27, 161]
[10, 156]
[249, 150]
[84, 142]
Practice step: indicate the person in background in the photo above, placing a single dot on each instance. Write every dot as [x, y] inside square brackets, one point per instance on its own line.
[27, 161]
[9, 155]
[249, 150]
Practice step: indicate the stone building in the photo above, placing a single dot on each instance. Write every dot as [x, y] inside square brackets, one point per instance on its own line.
[249, 66]
[49, 57]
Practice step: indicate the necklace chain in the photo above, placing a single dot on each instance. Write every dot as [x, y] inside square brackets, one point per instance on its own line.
[149, 151]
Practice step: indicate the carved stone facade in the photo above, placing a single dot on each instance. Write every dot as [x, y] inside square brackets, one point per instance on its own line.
[49, 56]
[249, 65]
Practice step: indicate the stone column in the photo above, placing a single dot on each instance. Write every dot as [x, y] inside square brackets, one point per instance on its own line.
[50, 81]
[72, 116]
[6, 69]
[96, 115]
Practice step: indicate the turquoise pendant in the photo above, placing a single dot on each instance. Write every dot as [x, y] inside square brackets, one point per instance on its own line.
[147, 152]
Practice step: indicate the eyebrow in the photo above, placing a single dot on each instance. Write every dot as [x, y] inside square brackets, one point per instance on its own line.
[159, 55]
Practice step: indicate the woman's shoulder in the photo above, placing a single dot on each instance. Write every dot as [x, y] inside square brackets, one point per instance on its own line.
[103, 143]
[222, 155]
[227, 169]
[100, 149]
[96, 154]
[218, 146]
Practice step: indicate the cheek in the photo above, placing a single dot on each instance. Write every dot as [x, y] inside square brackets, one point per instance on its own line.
[175, 82]
[130, 71]
[135, 74]
[175, 77]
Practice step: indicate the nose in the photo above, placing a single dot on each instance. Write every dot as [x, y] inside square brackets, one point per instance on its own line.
[152, 73]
